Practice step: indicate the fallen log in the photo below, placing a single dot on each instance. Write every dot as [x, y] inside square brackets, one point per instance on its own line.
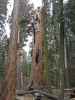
[34, 92]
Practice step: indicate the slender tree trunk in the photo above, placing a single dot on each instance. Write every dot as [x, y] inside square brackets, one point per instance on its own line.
[66, 64]
[62, 64]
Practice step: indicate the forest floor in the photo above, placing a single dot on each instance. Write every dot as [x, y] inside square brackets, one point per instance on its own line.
[26, 97]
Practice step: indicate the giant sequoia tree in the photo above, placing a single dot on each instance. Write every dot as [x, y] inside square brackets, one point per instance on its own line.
[10, 79]
[9, 87]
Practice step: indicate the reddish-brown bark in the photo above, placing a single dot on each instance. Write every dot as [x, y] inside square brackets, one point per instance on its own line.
[37, 59]
[9, 86]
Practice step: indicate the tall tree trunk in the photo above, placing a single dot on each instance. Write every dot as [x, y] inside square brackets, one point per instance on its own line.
[37, 71]
[62, 64]
[9, 91]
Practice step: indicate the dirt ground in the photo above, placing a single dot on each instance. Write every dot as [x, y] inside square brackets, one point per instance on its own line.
[26, 97]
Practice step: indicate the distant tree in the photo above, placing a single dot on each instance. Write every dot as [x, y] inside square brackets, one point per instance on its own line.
[69, 15]
[23, 20]
[70, 35]
[3, 6]
[23, 31]
[51, 42]
[3, 49]
[62, 63]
